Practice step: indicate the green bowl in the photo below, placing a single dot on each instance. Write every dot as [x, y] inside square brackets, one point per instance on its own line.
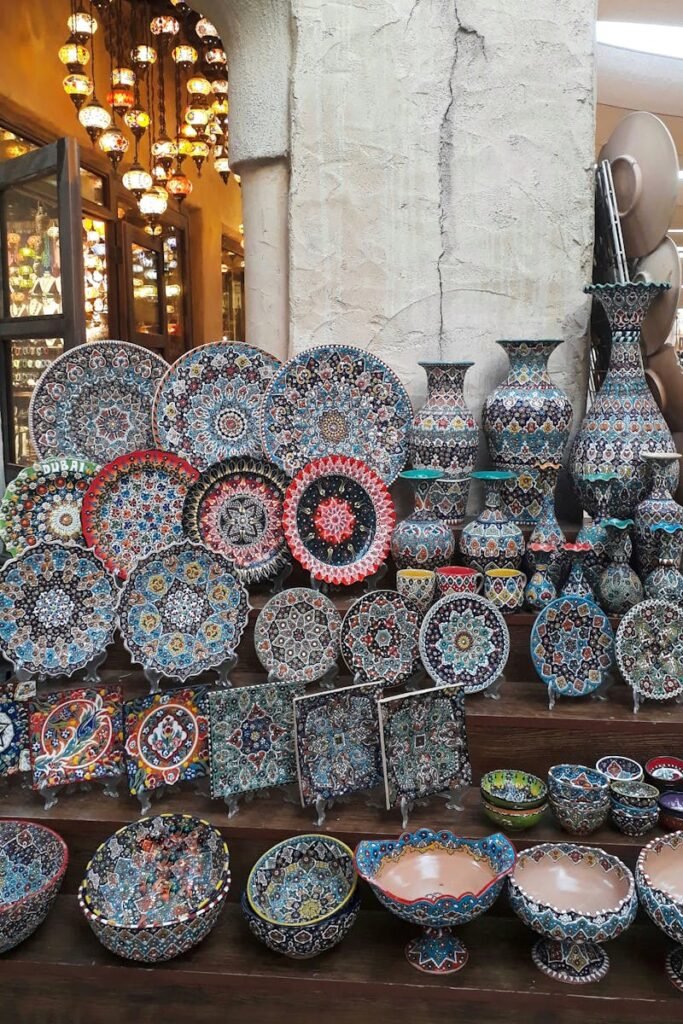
[513, 789]
[511, 820]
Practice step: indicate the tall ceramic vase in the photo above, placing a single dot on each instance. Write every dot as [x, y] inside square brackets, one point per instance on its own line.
[619, 587]
[657, 507]
[623, 418]
[492, 540]
[526, 420]
[422, 541]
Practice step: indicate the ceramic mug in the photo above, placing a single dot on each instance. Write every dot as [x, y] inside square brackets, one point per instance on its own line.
[458, 579]
[416, 585]
[505, 589]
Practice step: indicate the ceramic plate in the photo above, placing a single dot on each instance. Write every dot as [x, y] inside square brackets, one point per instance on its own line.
[338, 518]
[649, 649]
[95, 402]
[13, 736]
[135, 506]
[464, 641]
[572, 646]
[57, 609]
[235, 508]
[167, 739]
[182, 611]
[664, 264]
[337, 400]
[297, 635]
[208, 405]
[379, 638]
[43, 503]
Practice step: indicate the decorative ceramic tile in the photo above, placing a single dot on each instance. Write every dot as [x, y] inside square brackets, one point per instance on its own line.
[13, 737]
[464, 641]
[424, 743]
[167, 738]
[337, 742]
[649, 648]
[572, 646]
[95, 402]
[252, 737]
[76, 736]
[379, 638]
[297, 635]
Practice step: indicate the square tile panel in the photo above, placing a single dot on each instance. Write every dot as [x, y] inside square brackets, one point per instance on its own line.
[167, 738]
[424, 743]
[337, 742]
[13, 737]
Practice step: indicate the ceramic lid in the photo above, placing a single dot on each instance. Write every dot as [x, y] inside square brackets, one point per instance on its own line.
[663, 264]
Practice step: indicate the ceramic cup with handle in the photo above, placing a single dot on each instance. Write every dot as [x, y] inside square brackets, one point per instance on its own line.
[458, 579]
[416, 585]
[505, 589]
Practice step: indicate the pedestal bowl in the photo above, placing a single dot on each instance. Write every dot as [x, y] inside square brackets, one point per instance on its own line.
[156, 887]
[437, 880]
[33, 860]
[659, 878]
[576, 897]
[301, 897]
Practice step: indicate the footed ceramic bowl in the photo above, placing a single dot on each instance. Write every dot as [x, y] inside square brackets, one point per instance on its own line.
[577, 782]
[33, 860]
[301, 897]
[633, 821]
[156, 887]
[634, 794]
[436, 879]
[513, 789]
[617, 767]
[577, 898]
[511, 819]
[659, 878]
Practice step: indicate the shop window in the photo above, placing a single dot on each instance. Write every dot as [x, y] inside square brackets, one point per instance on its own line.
[173, 280]
[232, 267]
[32, 249]
[96, 279]
[28, 358]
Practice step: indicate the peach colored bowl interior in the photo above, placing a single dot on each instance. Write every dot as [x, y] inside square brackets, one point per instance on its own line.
[571, 885]
[664, 869]
[417, 874]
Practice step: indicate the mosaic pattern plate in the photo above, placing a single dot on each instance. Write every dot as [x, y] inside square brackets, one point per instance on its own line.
[424, 743]
[649, 649]
[379, 638]
[135, 506]
[182, 611]
[464, 641]
[572, 646]
[337, 742]
[167, 739]
[76, 736]
[338, 519]
[235, 508]
[208, 405]
[95, 402]
[251, 738]
[57, 609]
[337, 400]
[43, 503]
[297, 635]
[13, 736]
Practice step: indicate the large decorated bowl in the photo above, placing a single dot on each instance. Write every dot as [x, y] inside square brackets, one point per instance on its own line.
[301, 897]
[437, 880]
[156, 887]
[33, 860]
[576, 897]
[659, 878]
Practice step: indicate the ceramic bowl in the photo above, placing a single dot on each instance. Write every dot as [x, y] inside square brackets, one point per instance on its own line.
[671, 810]
[577, 782]
[625, 769]
[156, 887]
[511, 819]
[664, 773]
[576, 897]
[32, 866]
[436, 880]
[302, 943]
[513, 789]
[659, 878]
[579, 817]
[634, 794]
[634, 821]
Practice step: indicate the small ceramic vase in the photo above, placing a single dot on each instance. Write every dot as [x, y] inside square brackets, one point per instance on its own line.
[492, 541]
[458, 579]
[444, 433]
[449, 498]
[527, 420]
[504, 588]
[547, 530]
[576, 583]
[416, 585]
[619, 587]
[541, 588]
[666, 581]
[422, 541]
[658, 507]
[599, 487]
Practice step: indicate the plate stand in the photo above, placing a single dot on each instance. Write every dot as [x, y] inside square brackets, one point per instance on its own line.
[25, 684]
[492, 692]
[321, 806]
[145, 797]
[417, 681]
[110, 787]
[281, 578]
[224, 670]
[201, 787]
[454, 795]
[372, 582]
[319, 585]
[329, 679]
[92, 676]
[154, 679]
[50, 795]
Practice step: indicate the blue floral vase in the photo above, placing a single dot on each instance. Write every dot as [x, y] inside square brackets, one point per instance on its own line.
[619, 587]
[547, 531]
[492, 540]
[541, 588]
[422, 541]
[666, 581]
[657, 507]
[599, 486]
[576, 584]
[444, 434]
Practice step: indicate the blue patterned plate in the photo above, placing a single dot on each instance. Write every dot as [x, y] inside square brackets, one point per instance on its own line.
[464, 642]
[379, 638]
[572, 646]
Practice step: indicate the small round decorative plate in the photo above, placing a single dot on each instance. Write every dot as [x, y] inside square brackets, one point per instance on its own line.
[572, 646]
[649, 649]
[297, 635]
[338, 518]
[337, 400]
[135, 505]
[43, 503]
[208, 406]
[182, 611]
[380, 638]
[57, 609]
[464, 641]
[95, 402]
[235, 508]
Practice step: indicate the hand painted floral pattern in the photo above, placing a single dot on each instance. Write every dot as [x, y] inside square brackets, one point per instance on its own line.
[379, 637]
[13, 736]
[464, 641]
[649, 649]
[572, 646]
[297, 635]
[167, 739]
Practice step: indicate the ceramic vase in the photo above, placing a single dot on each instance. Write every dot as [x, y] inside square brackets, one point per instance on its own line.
[657, 507]
[623, 418]
[619, 587]
[527, 420]
[666, 581]
[492, 540]
[547, 531]
[449, 498]
[541, 588]
[422, 541]
[599, 486]
[444, 433]
[576, 584]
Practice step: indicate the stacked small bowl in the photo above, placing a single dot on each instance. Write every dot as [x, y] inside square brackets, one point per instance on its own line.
[633, 806]
[513, 800]
[579, 797]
